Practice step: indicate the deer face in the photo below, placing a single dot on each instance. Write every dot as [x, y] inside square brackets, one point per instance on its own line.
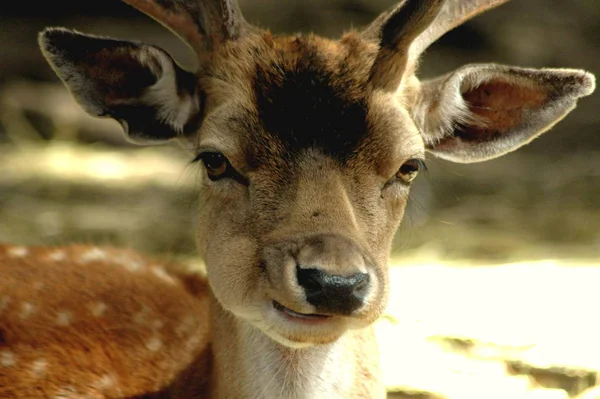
[309, 145]
[308, 175]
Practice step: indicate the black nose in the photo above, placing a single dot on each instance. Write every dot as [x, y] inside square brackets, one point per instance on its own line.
[333, 294]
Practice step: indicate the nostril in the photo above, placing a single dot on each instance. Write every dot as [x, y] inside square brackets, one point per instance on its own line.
[310, 279]
[332, 293]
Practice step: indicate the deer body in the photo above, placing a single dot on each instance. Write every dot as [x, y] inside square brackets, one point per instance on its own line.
[309, 147]
[71, 332]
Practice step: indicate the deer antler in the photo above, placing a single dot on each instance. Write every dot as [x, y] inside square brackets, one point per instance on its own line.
[453, 14]
[408, 29]
[396, 30]
[198, 23]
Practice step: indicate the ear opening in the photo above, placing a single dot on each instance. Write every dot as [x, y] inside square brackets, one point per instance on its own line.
[138, 85]
[480, 112]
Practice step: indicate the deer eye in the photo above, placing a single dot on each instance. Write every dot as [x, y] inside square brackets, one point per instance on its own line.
[217, 166]
[410, 169]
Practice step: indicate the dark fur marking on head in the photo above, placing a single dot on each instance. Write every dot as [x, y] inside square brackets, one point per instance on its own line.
[302, 108]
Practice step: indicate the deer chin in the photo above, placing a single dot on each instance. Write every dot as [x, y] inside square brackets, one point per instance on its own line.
[297, 330]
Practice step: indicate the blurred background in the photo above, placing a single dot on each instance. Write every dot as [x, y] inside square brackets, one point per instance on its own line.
[497, 263]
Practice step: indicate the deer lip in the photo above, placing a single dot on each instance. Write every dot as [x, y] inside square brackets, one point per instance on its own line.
[303, 316]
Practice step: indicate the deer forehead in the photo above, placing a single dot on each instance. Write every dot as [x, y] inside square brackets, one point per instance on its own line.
[277, 98]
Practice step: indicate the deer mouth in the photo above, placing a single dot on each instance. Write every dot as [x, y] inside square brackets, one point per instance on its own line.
[307, 317]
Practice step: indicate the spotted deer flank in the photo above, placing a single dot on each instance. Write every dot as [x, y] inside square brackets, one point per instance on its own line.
[308, 147]
[95, 328]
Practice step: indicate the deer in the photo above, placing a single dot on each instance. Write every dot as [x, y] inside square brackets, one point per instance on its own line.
[309, 146]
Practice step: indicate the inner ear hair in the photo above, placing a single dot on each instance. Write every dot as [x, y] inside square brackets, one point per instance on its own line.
[482, 111]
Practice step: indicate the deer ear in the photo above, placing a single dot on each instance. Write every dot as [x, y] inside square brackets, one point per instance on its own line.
[138, 85]
[480, 112]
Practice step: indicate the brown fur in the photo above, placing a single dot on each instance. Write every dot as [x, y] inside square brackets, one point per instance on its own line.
[96, 323]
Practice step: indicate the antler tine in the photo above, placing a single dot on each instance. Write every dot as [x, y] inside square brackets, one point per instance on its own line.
[198, 23]
[181, 17]
[396, 30]
[453, 14]
[225, 16]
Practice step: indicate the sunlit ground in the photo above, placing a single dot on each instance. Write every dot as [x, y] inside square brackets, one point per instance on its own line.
[486, 331]
[467, 329]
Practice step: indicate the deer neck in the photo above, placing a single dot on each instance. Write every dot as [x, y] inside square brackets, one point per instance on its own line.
[249, 364]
